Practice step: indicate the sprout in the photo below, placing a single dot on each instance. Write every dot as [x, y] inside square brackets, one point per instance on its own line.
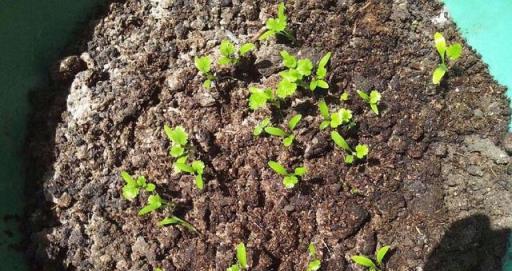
[373, 99]
[344, 96]
[204, 65]
[453, 52]
[277, 25]
[196, 169]
[290, 178]
[178, 138]
[342, 116]
[174, 220]
[259, 97]
[361, 150]
[132, 187]
[154, 203]
[259, 128]
[288, 137]
[241, 259]
[369, 263]
[229, 54]
[321, 72]
[314, 263]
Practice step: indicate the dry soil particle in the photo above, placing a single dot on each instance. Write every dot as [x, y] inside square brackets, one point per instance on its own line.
[427, 149]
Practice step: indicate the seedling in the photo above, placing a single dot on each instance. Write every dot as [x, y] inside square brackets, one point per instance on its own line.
[290, 178]
[259, 128]
[369, 263]
[288, 137]
[154, 203]
[453, 52]
[361, 150]
[174, 220]
[277, 25]
[230, 55]
[373, 99]
[158, 269]
[196, 168]
[204, 65]
[342, 116]
[344, 96]
[132, 187]
[314, 263]
[259, 97]
[178, 138]
[298, 73]
[241, 259]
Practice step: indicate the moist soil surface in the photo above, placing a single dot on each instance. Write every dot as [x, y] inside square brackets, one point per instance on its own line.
[435, 186]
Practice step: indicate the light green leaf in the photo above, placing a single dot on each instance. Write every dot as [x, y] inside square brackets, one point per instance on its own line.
[439, 73]
[291, 75]
[199, 182]
[324, 109]
[227, 48]
[325, 124]
[174, 220]
[223, 60]
[177, 151]
[288, 141]
[278, 168]
[241, 255]
[267, 35]
[363, 261]
[183, 167]
[321, 73]
[344, 96]
[286, 89]
[454, 51]
[314, 265]
[259, 97]
[177, 135]
[336, 120]
[127, 178]
[234, 267]
[294, 121]
[198, 167]
[340, 141]
[150, 187]
[275, 131]
[130, 192]
[361, 151]
[259, 128]
[440, 44]
[349, 159]
[290, 181]
[246, 48]
[374, 108]
[363, 96]
[323, 84]
[304, 67]
[203, 64]
[289, 61]
[276, 25]
[375, 97]
[280, 11]
[323, 61]
[154, 202]
[141, 181]
[207, 84]
[313, 84]
[381, 253]
[312, 250]
[300, 171]
[345, 115]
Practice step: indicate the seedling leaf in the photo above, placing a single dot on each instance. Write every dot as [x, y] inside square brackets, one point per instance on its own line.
[314, 265]
[323, 108]
[340, 141]
[363, 261]
[288, 141]
[154, 202]
[304, 67]
[289, 61]
[344, 96]
[440, 44]
[381, 253]
[227, 48]
[267, 35]
[363, 96]
[290, 181]
[312, 250]
[203, 64]
[454, 51]
[323, 61]
[285, 89]
[176, 151]
[294, 121]
[322, 84]
[278, 168]
[361, 151]
[241, 255]
[375, 97]
[259, 128]
[275, 131]
[246, 48]
[439, 73]
[349, 159]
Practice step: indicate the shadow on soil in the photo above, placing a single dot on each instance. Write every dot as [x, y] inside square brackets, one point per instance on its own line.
[470, 245]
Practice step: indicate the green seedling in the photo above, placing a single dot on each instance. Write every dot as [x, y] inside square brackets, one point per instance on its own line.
[178, 138]
[290, 178]
[262, 125]
[230, 55]
[204, 65]
[299, 72]
[342, 116]
[196, 168]
[241, 259]
[259, 97]
[373, 99]
[277, 26]
[154, 202]
[288, 137]
[365, 261]
[158, 269]
[344, 96]
[453, 52]
[314, 263]
[132, 187]
[174, 220]
[360, 152]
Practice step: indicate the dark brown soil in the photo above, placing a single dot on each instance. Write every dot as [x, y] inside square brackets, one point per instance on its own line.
[139, 75]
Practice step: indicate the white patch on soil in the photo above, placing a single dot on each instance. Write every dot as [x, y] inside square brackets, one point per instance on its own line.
[79, 102]
[442, 18]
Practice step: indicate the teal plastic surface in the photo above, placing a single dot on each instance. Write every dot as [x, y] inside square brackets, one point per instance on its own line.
[487, 27]
[32, 32]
